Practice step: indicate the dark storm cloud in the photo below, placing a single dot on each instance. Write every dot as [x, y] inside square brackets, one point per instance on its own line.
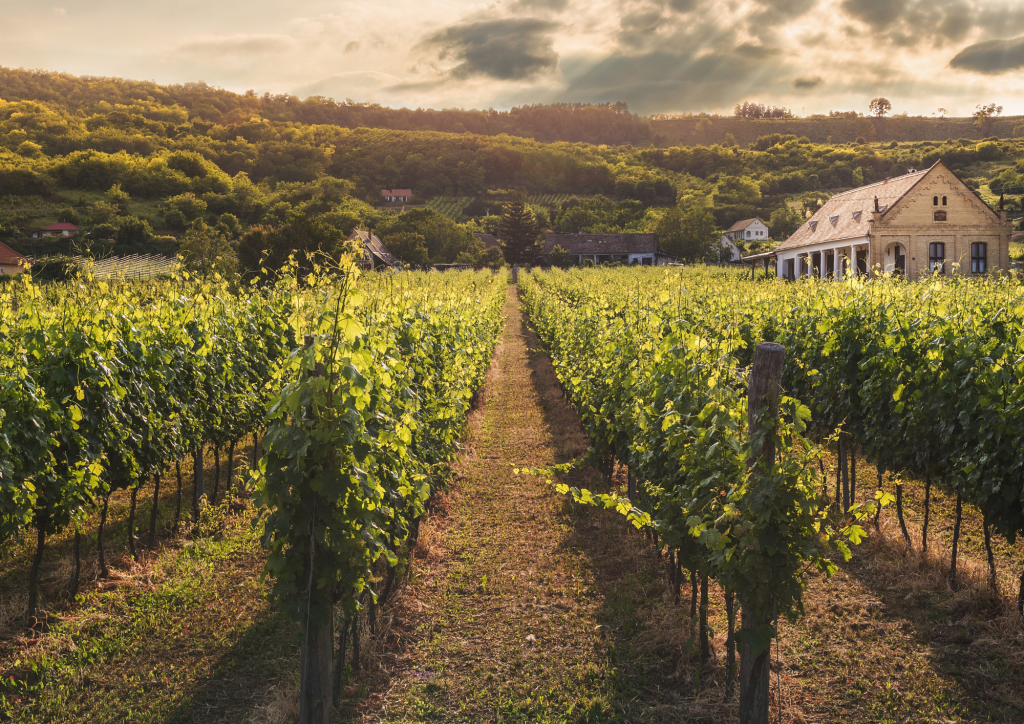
[753, 50]
[805, 83]
[878, 13]
[660, 80]
[505, 49]
[773, 12]
[916, 22]
[991, 57]
[553, 5]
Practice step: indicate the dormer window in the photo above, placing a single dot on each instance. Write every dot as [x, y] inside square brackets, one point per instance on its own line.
[813, 225]
[834, 220]
[856, 216]
[882, 208]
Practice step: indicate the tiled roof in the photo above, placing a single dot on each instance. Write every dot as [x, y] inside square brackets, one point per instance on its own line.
[375, 246]
[741, 225]
[602, 243]
[396, 192]
[846, 215]
[61, 226]
[488, 240]
[9, 256]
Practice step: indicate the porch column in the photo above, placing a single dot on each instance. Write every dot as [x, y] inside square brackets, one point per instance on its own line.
[838, 260]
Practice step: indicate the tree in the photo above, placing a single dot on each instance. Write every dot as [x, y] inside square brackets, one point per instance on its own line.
[518, 233]
[735, 197]
[983, 116]
[408, 246]
[205, 251]
[491, 258]
[879, 107]
[783, 222]
[178, 211]
[688, 234]
[269, 247]
[559, 256]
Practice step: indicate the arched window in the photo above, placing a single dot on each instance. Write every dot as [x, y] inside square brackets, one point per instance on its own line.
[935, 201]
[943, 200]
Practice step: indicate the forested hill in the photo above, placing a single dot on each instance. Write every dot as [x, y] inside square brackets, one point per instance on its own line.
[608, 123]
[708, 130]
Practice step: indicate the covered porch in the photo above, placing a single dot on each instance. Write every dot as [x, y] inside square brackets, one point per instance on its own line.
[832, 260]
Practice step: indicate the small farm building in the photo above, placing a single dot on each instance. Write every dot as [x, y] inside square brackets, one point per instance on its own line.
[61, 228]
[396, 195]
[606, 248]
[375, 254]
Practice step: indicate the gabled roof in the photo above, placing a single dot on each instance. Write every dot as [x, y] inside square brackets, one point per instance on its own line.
[61, 226]
[9, 256]
[847, 215]
[396, 192]
[489, 241]
[741, 225]
[602, 243]
[373, 245]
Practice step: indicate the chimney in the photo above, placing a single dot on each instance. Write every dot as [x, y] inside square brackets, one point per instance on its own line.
[876, 205]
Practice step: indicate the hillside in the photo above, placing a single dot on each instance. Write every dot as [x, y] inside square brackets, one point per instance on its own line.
[140, 167]
[590, 123]
[682, 131]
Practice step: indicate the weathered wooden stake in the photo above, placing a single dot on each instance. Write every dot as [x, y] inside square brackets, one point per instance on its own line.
[956, 532]
[927, 510]
[763, 406]
[730, 645]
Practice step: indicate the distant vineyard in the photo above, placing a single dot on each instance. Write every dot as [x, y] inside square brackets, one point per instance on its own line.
[451, 206]
[136, 266]
[548, 199]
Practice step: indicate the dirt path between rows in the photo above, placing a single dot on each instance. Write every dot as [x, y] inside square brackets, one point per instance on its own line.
[518, 591]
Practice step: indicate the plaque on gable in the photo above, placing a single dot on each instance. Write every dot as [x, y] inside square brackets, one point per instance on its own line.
[940, 215]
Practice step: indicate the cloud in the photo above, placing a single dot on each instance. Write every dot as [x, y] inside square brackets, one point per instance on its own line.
[807, 82]
[756, 50]
[352, 46]
[556, 6]
[664, 80]
[877, 13]
[991, 57]
[504, 49]
[231, 45]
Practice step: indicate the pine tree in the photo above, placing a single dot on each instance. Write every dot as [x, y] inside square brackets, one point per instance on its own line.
[517, 233]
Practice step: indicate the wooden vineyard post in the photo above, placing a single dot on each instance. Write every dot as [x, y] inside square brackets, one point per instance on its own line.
[763, 405]
[316, 696]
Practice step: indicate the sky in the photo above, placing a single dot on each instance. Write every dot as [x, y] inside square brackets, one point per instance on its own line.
[658, 56]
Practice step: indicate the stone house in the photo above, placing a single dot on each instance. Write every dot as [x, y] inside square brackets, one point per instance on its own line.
[922, 222]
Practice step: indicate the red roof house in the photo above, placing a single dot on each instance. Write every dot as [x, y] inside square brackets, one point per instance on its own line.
[11, 262]
[61, 228]
[393, 195]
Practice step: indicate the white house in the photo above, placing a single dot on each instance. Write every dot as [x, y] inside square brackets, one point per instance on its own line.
[730, 252]
[396, 195]
[747, 230]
